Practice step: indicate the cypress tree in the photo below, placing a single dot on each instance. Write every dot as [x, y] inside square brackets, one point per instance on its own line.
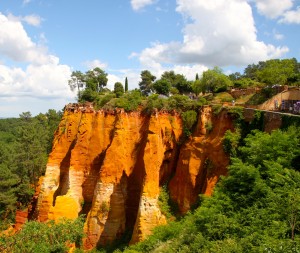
[126, 84]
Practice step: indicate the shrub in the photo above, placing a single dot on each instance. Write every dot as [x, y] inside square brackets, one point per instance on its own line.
[102, 100]
[163, 201]
[184, 103]
[189, 118]
[129, 101]
[154, 101]
[44, 237]
[231, 141]
[208, 126]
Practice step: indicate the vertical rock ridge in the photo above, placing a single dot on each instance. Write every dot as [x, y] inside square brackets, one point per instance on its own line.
[110, 166]
[201, 160]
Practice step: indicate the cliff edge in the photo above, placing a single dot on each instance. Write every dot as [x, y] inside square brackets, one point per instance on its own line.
[110, 166]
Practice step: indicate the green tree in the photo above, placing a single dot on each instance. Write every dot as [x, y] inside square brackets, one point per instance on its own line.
[177, 81]
[118, 89]
[162, 86]
[213, 80]
[276, 71]
[76, 81]
[8, 187]
[146, 82]
[170, 76]
[126, 84]
[25, 143]
[196, 86]
[92, 83]
[96, 79]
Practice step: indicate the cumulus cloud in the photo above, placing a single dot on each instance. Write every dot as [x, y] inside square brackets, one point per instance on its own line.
[43, 81]
[32, 72]
[273, 8]
[140, 4]
[16, 45]
[216, 33]
[291, 17]
[284, 11]
[95, 64]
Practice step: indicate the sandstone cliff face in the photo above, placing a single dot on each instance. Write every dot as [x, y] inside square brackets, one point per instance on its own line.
[110, 167]
[201, 161]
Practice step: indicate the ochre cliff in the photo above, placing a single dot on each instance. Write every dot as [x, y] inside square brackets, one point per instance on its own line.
[201, 161]
[110, 166]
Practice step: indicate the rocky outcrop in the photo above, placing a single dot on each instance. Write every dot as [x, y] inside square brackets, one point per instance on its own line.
[201, 161]
[110, 166]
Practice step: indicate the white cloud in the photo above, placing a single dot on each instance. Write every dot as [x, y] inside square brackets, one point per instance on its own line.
[291, 17]
[43, 81]
[33, 19]
[140, 4]
[216, 33]
[16, 45]
[95, 64]
[273, 8]
[41, 76]
[282, 10]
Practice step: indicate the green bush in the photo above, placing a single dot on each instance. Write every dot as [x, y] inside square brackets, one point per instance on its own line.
[154, 101]
[208, 126]
[189, 118]
[183, 103]
[102, 100]
[129, 101]
[165, 202]
[44, 237]
[231, 141]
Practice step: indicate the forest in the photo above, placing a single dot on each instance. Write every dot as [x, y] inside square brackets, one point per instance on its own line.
[25, 144]
[255, 208]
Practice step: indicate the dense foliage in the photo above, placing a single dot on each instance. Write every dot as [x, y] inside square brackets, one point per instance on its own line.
[256, 208]
[24, 147]
[45, 237]
[266, 75]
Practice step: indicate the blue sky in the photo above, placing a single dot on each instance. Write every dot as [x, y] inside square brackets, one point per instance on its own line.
[43, 41]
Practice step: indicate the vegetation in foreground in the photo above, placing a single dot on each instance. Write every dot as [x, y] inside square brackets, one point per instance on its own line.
[256, 208]
[45, 237]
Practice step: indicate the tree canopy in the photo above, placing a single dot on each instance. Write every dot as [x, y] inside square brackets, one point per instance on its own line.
[213, 80]
[88, 84]
[146, 82]
[118, 89]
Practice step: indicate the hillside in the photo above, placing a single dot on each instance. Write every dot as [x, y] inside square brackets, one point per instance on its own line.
[111, 167]
[128, 172]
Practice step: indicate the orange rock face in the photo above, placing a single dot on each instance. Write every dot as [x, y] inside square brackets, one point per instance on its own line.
[110, 167]
[201, 161]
